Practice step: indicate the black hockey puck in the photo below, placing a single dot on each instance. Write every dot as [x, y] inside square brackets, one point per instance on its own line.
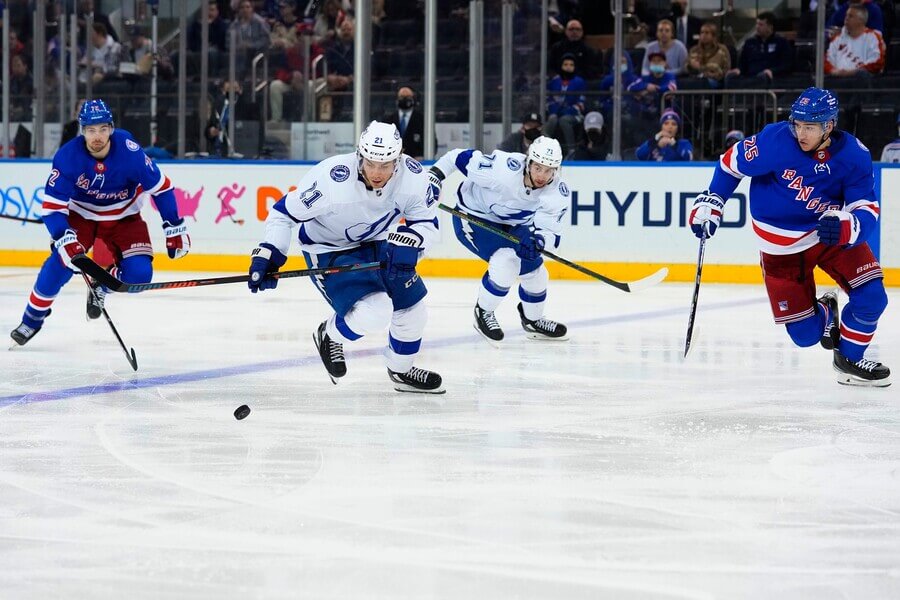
[241, 411]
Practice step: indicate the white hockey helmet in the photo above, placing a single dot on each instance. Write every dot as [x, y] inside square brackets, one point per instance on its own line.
[545, 151]
[380, 142]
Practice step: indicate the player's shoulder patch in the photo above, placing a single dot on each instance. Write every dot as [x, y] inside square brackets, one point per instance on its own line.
[513, 164]
[563, 189]
[861, 145]
[340, 173]
[132, 145]
[413, 165]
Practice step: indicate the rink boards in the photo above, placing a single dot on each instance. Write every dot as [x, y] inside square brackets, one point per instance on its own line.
[625, 220]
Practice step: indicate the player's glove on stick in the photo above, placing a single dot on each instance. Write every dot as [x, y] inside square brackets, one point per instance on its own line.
[436, 181]
[706, 214]
[403, 252]
[68, 247]
[178, 242]
[530, 243]
[838, 228]
[266, 259]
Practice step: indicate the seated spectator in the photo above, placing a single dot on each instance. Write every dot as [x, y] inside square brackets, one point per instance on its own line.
[285, 28]
[709, 58]
[574, 44]
[857, 51]
[328, 21]
[85, 8]
[519, 141]
[339, 56]
[647, 90]
[625, 70]
[218, 31]
[874, 15]
[138, 53]
[891, 152]
[665, 146]
[675, 52]
[765, 56]
[565, 103]
[21, 89]
[252, 34]
[593, 146]
[687, 26]
[289, 79]
[103, 59]
[733, 137]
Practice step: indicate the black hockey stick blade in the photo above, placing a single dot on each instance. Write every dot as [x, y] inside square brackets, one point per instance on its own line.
[690, 327]
[100, 274]
[20, 219]
[130, 356]
[632, 286]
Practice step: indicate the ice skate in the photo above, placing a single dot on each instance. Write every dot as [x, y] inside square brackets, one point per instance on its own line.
[96, 299]
[866, 373]
[331, 353]
[486, 324]
[543, 329]
[417, 381]
[832, 334]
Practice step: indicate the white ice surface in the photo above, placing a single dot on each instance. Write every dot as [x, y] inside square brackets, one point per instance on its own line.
[602, 467]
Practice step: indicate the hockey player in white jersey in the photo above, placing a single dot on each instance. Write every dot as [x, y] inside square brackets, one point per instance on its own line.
[348, 208]
[525, 197]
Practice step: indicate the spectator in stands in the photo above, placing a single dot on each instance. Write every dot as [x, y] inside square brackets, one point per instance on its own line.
[252, 33]
[574, 44]
[675, 52]
[16, 46]
[285, 28]
[86, 7]
[593, 146]
[709, 58]
[139, 52]
[72, 128]
[218, 32]
[218, 143]
[625, 70]
[103, 60]
[565, 103]
[21, 89]
[764, 56]
[857, 51]
[519, 141]
[289, 78]
[327, 22]
[647, 90]
[687, 26]
[339, 56]
[891, 152]
[874, 16]
[410, 123]
[665, 146]
[733, 137]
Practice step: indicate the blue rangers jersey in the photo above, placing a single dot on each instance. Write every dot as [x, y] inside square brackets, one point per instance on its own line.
[494, 190]
[104, 190]
[336, 210]
[790, 188]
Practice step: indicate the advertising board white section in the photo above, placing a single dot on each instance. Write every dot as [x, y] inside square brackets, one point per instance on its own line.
[620, 213]
[890, 216]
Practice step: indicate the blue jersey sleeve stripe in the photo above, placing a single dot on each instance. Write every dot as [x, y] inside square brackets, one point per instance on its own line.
[282, 208]
[462, 161]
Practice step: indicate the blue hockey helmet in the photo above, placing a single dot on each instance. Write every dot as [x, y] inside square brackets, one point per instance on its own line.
[815, 105]
[94, 112]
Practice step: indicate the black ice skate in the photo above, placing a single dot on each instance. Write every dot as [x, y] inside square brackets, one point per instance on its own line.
[417, 381]
[862, 372]
[832, 334]
[543, 329]
[23, 333]
[96, 299]
[486, 324]
[331, 353]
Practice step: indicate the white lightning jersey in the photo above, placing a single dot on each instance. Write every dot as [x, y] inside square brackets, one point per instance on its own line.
[335, 210]
[494, 190]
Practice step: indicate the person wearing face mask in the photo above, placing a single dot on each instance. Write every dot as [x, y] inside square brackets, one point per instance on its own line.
[565, 103]
[687, 27]
[518, 141]
[665, 146]
[410, 123]
[594, 145]
[647, 90]
[626, 72]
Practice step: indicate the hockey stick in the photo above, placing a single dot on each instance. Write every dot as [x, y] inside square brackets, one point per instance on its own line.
[632, 286]
[129, 352]
[100, 274]
[20, 219]
[690, 327]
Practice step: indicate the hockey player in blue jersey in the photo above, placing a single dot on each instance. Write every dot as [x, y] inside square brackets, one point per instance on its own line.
[348, 209]
[812, 203]
[525, 197]
[97, 185]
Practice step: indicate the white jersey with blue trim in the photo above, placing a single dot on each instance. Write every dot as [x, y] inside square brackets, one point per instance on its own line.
[336, 210]
[494, 190]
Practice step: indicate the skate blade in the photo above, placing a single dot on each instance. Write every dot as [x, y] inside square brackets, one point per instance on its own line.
[14, 345]
[494, 343]
[543, 338]
[850, 380]
[408, 389]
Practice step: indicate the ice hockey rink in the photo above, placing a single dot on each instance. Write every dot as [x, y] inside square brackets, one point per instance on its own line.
[602, 467]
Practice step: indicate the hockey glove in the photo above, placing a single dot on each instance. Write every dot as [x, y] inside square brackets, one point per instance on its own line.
[530, 243]
[178, 242]
[402, 253]
[436, 181]
[68, 247]
[266, 259]
[838, 228]
[706, 214]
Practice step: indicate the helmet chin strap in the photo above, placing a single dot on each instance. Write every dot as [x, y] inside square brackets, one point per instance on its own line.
[825, 137]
